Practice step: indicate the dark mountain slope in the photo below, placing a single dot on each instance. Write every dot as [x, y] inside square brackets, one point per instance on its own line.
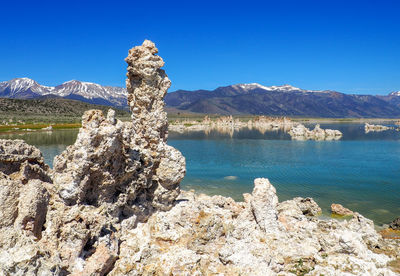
[293, 103]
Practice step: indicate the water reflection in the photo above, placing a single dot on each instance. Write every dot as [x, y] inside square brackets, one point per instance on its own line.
[39, 138]
[351, 132]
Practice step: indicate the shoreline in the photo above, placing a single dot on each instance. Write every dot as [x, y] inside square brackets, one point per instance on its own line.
[200, 116]
[39, 125]
[325, 214]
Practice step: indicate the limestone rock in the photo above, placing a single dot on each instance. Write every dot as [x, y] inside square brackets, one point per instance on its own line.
[99, 166]
[21, 161]
[113, 177]
[9, 194]
[203, 235]
[300, 132]
[32, 207]
[308, 206]
[339, 210]
[263, 204]
[395, 224]
[120, 172]
[115, 162]
[375, 128]
[24, 197]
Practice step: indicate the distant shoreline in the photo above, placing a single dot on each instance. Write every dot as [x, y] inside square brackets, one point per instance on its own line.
[72, 123]
[198, 116]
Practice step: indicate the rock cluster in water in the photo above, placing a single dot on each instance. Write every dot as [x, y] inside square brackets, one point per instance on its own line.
[300, 132]
[376, 128]
[112, 205]
[228, 124]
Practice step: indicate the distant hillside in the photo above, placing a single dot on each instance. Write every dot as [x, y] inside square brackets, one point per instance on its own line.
[284, 101]
[49, 109]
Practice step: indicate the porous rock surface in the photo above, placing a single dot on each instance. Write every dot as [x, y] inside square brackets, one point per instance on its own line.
[339, 210]
[395, 224]
[112, 205]
[23, 193]
[214, 235]
[115, 175]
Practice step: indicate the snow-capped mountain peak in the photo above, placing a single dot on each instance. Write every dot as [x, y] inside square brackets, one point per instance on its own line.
[108, 95]
[86, 89]
[280, 88]
[286, 88]
[23, 85]
[74, 89]
[22, 82]
[249, 86]
[395, 93]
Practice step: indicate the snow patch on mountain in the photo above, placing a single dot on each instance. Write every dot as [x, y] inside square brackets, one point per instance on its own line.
[395, 93]
[20, 85]
[28, 88]
[89, 90]
[280, 88]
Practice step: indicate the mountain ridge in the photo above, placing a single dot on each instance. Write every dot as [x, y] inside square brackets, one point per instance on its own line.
[25, 88]
[251, 98]
[283, 101]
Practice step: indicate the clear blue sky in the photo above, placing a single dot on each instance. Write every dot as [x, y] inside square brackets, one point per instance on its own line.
[348, 46]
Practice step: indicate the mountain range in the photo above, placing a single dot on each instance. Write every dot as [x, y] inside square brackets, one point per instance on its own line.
[25, 88]
[252, 98]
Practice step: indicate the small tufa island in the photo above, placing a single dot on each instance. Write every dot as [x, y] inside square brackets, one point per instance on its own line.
[376, 128]
[112, 205]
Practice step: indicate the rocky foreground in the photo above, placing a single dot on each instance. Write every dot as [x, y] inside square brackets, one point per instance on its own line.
[204, 235]
[112, 206]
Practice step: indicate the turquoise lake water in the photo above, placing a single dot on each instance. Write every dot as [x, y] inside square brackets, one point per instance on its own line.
[361, 171]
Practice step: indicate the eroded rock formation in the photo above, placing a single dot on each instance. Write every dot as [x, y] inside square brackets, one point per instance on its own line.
[115, 175]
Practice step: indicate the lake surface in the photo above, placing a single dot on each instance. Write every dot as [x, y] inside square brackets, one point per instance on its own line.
[361, 171]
